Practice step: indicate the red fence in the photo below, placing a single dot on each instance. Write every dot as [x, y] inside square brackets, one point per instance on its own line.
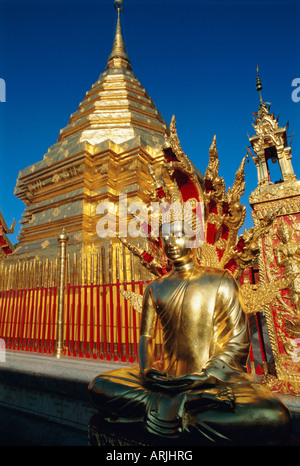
[99, 323]
[28, 319]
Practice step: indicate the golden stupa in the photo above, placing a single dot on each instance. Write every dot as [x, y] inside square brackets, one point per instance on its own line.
[103, 152]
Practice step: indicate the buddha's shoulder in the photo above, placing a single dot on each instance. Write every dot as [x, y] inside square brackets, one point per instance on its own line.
[217, 273]
[198, 273]
[220, 278]
[213, 273]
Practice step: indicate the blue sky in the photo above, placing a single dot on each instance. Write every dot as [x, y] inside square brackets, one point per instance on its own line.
[196, 59]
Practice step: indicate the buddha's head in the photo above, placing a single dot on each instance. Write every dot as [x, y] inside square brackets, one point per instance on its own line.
[176, 242]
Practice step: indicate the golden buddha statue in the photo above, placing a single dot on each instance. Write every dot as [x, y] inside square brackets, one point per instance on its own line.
[200, 392]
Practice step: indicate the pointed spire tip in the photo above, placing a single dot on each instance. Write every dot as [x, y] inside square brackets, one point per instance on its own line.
[119, 5]
[118, 57]
[258, 84]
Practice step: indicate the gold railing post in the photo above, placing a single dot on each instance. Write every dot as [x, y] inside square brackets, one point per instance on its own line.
[63, 241]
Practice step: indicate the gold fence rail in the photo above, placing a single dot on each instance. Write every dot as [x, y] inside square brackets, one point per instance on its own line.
[110, 264]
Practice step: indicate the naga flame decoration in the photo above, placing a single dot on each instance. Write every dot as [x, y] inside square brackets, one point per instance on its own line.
[223, 216]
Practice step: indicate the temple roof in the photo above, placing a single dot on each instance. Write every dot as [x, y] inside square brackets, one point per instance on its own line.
[265, 122]
[6, 246]
[270, 145]
[117, 107]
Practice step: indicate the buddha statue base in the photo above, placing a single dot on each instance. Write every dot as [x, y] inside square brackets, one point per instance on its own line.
[101, 434]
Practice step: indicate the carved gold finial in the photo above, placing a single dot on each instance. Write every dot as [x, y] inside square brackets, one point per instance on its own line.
[63, 236]
[259, 85]
[119, 5]
[118, 57]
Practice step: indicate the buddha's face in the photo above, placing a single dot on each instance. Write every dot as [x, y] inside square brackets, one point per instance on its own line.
[175, 242]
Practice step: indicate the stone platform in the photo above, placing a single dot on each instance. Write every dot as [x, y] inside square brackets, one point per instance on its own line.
[44, 401]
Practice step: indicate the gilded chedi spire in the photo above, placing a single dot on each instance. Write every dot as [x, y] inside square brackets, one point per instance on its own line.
[118, 56]
[117, 107]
